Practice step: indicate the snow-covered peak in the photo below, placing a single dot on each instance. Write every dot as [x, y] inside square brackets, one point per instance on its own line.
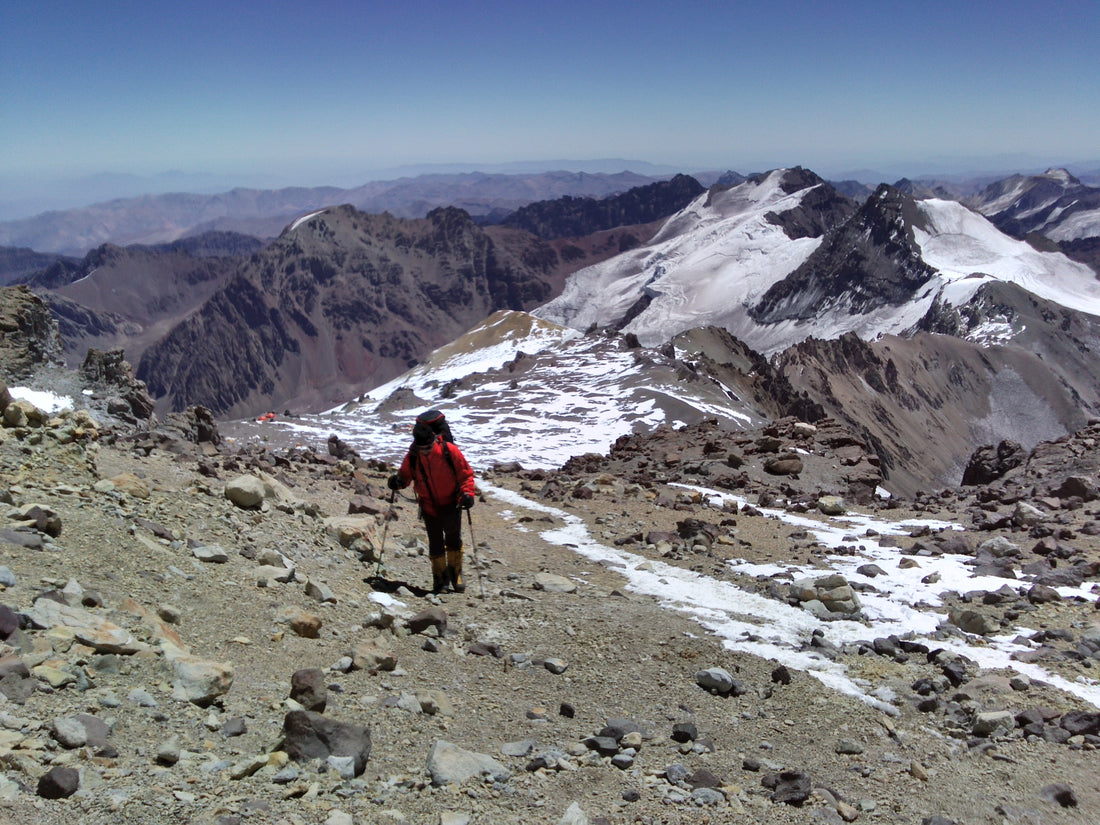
[1062, 176]
[706, 263]
[968, 250]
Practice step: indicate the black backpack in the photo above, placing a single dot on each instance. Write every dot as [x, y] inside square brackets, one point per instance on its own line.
[437, 422]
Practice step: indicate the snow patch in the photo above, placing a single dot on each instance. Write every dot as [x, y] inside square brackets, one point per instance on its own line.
[903, 600]
[43, 399]
[305, 218]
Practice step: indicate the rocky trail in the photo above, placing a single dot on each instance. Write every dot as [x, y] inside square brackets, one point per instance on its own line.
[193, 633]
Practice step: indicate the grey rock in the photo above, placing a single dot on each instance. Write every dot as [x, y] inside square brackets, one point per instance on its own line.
[234, 726]
[433, 617]
[308, 735]
[449, 764]
[707, 797]
[142, 698]
[993, 723]
[715, 679]
[623, 761]
[521, 748]
[789, 787]
[211, 554]
[46, 519]
[574, 815]
[684, 732]
[1027, 515]
[552, 583]
[308, 689]
[168, 753]
[247, 492]
[286, 775]
[971, 621]
[998, 547]
[319, 591]
[80, 730]
[59, 783]
[676, 773]
[199, 681]
[69, 733]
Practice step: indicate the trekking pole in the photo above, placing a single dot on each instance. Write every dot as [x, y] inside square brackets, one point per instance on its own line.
[385, 529]
[473, 554]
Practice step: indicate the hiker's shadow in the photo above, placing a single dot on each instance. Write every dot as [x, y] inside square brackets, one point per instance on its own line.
[384, 585]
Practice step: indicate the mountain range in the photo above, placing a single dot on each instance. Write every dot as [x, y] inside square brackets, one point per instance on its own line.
[153, 219]
[924, 325]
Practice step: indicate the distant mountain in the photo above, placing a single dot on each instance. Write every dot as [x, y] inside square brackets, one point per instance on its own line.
[1055, 204]
[128, 297]
[852, 189]
[345, 300]
[708, 262]
[870, 261]
[1002, 365]
[214, 244]
[153, 219]
[572, 217]
[920, 191]
[784, 257]
[17, 263]
[917, 323]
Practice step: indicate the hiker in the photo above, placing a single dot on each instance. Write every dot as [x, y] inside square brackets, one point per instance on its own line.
[444, 486]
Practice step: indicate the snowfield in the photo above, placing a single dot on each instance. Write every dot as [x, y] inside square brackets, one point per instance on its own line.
[706, 264]
[968, 251]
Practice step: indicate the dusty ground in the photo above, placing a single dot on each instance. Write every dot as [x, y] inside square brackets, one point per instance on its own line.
[625, 658]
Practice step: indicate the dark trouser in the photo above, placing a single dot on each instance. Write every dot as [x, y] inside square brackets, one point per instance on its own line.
[444, 532]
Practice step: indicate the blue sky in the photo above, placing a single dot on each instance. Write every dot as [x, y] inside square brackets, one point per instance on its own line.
[325, 92]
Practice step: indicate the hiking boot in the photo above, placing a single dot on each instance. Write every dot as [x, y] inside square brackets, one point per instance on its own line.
[440, 573]
[454, 570]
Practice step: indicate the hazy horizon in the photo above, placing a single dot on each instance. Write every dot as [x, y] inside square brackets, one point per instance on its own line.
[283, 93]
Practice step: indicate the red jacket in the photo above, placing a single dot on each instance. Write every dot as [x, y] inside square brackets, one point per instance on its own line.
[439, 479]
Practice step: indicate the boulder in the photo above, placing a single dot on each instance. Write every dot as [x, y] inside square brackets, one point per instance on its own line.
[247, 492]
[833, 592]
[308, 689]
[988, 463]
[551, 583]
[45, 518]
[971, 621]
[1076, 486]
[199, 681]
[88, 629]
[308, 735]
[424, 620]
[832, 505]
[372, 656]
[784, 464]
[59, 783]
[449, 764]
[347, 530]
[715, 679]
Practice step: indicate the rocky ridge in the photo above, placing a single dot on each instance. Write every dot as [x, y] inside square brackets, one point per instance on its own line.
[194, 630]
